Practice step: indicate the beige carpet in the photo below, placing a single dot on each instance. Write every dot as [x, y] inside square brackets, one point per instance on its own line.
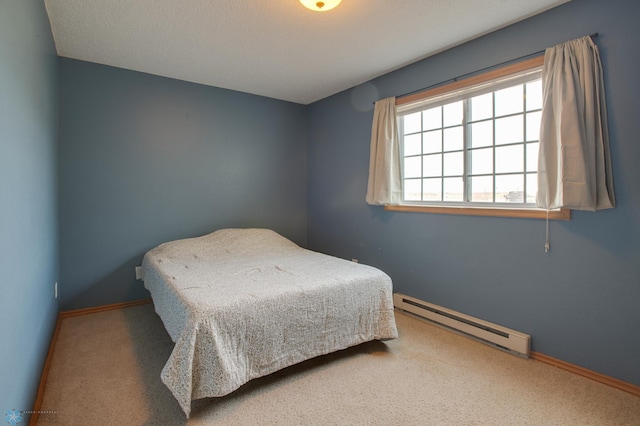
[106, 370]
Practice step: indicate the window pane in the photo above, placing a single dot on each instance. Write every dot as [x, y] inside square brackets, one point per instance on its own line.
[432, 189]
[412, 123]
[412, 144]
[432, 142]
[481, 189]
[453, 189]
[482, 134]
[509, 130]
[510, 189]
[510, 159]
[481, 161]
[482, 107]
[453, 164]
[509, 100]
[412, 167]
[432, 165]
[412, 190]
[453, 139]
[479, 149]
[533, 126]
[534, 95]
[532, 157]
[453, 114]
[432, 118]
[532, 188]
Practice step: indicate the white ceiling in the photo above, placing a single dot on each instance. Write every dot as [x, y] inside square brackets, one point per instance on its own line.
[274, 48]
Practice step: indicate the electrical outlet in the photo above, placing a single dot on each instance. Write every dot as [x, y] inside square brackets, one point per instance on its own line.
[55, 290]
[138, 272]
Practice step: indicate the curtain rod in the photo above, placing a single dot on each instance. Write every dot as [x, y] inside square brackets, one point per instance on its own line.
[451, 80]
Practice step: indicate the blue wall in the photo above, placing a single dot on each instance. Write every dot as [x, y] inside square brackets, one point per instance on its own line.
[146, 159]
[580, 301]
[28, 198]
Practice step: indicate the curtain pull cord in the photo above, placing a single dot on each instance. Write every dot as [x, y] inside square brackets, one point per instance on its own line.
[546, 243]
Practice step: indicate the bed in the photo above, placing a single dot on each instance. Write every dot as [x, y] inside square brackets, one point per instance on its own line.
[243, 303]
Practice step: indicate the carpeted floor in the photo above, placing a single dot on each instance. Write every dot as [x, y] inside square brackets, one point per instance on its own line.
[106, 370]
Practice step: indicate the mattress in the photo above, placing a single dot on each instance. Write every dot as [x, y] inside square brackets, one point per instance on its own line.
[243, 303]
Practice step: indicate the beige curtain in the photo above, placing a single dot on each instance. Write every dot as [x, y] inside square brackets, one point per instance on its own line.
[384, 187]
[574, 163]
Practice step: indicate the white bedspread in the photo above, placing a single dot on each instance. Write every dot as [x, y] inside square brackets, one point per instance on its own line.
[243, 303]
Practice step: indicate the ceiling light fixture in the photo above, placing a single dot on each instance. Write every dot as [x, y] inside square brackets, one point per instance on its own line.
[320, 6]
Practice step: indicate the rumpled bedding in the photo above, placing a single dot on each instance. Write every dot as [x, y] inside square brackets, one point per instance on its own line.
[243, 303]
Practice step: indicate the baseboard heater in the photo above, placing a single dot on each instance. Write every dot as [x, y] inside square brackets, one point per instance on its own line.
[493, 334]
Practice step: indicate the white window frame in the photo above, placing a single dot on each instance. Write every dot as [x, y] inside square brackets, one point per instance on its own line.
[487, 82]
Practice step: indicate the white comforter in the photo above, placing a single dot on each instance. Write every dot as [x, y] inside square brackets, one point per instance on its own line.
[243, 303]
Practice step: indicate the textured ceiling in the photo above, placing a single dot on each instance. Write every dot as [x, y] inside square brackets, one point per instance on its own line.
[273, 48]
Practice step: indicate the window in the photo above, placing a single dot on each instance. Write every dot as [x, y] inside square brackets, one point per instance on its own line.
[473, 143]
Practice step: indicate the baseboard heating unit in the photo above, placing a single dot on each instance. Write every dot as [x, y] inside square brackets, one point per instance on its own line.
[496, 335]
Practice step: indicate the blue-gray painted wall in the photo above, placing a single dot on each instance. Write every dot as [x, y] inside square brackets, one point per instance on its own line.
[28, 199]
[580, 302]
[147, 159]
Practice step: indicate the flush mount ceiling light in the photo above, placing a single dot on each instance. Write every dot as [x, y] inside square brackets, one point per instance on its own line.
[320, 6]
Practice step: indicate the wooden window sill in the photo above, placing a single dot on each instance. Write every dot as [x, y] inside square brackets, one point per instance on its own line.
[562, 214]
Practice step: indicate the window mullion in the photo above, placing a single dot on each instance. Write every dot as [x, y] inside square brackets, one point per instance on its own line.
[525, 190]
[422, 156]
[466, 129]
[493, 145]
[442, 154]
[400, 124]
